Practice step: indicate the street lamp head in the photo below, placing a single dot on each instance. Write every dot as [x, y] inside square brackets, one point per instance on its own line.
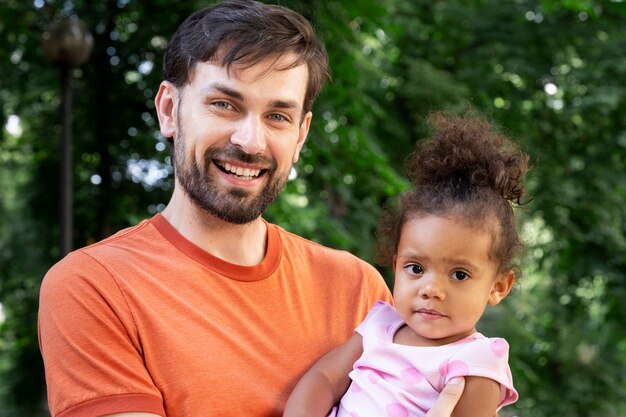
[67, 42]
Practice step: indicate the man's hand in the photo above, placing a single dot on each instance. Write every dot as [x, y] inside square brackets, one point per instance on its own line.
[447, 399]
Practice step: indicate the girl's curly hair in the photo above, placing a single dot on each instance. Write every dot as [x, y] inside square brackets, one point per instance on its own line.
[468, 172]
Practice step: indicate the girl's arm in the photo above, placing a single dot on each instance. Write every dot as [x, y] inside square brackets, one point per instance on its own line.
[325, 383]
[480, 398]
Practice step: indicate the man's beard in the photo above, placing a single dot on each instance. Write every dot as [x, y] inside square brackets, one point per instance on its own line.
[235, 205]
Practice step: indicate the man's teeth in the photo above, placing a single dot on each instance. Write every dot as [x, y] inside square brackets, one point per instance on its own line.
[242, 172]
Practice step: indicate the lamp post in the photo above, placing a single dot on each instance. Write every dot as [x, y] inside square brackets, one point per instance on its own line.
[67, 44]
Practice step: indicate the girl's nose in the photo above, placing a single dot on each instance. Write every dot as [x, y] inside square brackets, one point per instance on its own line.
[432, 287]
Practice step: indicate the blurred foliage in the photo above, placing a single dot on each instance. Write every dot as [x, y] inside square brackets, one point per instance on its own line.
[551, 73]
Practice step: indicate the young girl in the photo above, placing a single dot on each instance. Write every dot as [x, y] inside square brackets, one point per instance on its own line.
[451, 242]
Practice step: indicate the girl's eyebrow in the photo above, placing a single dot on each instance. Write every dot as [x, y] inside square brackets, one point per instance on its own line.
[462, 262]
[410, 253]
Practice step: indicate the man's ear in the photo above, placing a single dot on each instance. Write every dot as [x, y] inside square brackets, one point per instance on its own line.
[501, 287]
[166, 102]
[302, 134]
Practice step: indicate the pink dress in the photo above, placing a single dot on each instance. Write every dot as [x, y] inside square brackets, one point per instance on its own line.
[392, 380]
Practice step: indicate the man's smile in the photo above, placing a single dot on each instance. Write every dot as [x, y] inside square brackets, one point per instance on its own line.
[241, 172]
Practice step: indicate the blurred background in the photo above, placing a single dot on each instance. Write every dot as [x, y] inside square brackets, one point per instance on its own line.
[551, 74]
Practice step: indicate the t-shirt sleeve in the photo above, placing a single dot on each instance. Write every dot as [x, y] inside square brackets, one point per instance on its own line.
[92, 353]
[486, 357]
[378, 287]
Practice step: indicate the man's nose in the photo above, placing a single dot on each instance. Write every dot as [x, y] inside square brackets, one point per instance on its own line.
[249, 135]
[432, 286]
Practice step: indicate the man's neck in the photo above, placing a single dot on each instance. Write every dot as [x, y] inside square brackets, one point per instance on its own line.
[240, 244]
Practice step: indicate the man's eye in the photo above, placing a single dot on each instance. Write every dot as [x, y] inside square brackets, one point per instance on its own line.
[460, 275]
[277, 117]
[414, 269]
[224, 105]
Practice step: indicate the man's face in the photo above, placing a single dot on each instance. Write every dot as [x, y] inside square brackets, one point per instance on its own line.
[237, 135]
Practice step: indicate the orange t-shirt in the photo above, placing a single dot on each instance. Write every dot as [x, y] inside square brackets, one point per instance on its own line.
[146, 321]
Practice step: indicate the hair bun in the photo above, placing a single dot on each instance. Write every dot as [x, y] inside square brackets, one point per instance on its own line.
[467, 153]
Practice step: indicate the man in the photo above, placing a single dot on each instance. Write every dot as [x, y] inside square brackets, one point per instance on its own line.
[206, 309]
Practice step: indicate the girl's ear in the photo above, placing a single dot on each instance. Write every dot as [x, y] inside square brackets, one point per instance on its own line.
[501, 287]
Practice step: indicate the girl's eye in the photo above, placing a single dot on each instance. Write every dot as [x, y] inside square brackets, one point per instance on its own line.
[414, 269]
[460, 275]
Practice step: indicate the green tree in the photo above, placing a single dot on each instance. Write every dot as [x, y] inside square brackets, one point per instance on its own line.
[551, 73]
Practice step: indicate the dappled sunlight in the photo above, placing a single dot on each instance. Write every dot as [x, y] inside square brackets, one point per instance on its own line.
[14, 126]
[148, 172]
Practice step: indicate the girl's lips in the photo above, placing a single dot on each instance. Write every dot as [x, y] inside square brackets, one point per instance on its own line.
[430, 314]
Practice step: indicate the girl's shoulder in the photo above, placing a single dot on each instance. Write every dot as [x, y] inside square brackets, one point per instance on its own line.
[381, 321]
[481, 349]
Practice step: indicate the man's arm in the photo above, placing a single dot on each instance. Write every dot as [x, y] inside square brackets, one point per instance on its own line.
[443, 407]
[84, 321]
[133, 415]
[447, 399]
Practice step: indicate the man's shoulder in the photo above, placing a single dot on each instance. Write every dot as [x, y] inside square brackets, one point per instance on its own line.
[325, 261]
[293, 241]
[114, 248]
[128, 236]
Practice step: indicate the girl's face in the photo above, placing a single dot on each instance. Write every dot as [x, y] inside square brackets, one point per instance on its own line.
[443, 280]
